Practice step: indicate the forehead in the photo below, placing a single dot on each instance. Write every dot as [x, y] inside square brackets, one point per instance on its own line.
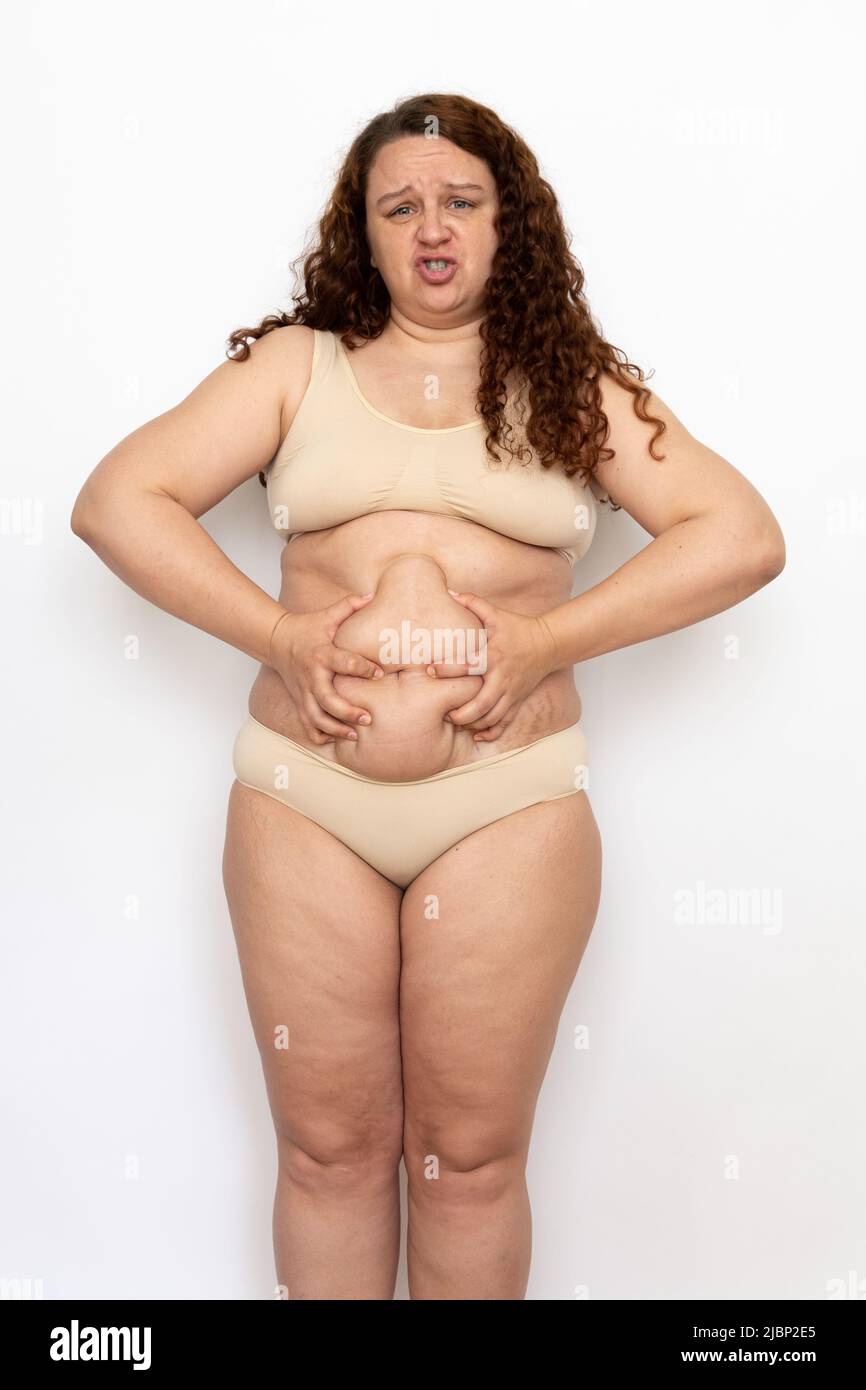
[425, 164]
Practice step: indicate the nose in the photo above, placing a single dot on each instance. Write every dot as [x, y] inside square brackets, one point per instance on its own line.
[432, 231]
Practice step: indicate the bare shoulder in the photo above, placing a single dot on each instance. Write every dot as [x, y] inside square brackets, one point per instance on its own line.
[660, 473]
[224, 431]
[286, 355]
[630, 435]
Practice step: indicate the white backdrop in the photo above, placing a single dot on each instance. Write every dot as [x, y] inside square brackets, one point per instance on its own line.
[700, 1131]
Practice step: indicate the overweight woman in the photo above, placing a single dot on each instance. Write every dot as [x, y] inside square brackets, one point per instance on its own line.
[412, 864]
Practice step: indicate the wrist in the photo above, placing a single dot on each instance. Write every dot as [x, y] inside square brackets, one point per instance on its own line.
[554, 626]
[285, 614]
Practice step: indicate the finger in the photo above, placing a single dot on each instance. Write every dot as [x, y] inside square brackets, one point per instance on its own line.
[444, 670]
[336, 705]
[325, 724]
[473, 709]
[338, 612]
[479, 606]
[491, 724]
[353, 664]
[491, 735]
[495, 712]
[313, 734]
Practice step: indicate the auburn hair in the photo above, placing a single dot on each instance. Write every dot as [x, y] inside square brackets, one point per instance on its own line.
[537, 321]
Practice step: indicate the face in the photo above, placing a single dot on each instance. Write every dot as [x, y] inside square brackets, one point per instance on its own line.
[428, 200]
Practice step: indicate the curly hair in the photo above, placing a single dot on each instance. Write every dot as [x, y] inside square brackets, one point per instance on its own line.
[537, 321]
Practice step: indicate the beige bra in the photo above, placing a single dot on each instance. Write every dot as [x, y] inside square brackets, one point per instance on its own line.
[342, 459]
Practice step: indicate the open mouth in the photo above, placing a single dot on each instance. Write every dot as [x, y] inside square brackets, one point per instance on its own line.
[436, 270]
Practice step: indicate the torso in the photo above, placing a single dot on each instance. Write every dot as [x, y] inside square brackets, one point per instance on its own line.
[408, 560]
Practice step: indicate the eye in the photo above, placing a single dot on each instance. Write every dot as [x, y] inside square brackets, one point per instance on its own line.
[404, 206]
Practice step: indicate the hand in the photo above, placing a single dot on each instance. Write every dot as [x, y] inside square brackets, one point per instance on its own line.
[303, 653]
[520, 652]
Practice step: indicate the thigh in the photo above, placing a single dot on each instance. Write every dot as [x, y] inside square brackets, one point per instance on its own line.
[317, 933]
[492, 935]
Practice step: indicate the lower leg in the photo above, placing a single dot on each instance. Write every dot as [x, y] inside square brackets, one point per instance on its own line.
[336, 1227]
[470, 1233]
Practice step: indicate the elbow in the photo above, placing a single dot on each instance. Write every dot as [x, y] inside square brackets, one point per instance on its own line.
[81, 522]
[758, 544]
[774, 564]
[78, 521]
[82, 519]
[772, 556]
[758, 559]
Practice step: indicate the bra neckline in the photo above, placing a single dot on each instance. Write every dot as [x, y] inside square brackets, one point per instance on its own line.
[398, 424]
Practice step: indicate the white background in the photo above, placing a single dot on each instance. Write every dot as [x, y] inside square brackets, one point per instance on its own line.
[163, 164]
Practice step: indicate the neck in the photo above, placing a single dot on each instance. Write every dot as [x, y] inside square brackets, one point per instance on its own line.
[406, 333]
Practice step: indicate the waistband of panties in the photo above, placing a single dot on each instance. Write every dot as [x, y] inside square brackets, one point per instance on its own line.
[572, 731]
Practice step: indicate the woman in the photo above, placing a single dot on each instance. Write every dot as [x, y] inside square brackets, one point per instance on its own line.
[412, 864]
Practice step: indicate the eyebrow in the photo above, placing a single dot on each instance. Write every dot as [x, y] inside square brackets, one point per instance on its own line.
[407, 188]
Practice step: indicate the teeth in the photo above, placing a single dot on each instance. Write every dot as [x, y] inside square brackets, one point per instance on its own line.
[436, 265]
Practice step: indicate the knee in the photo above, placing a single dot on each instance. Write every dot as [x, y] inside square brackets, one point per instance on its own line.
[339, 1159]
[463, 1165]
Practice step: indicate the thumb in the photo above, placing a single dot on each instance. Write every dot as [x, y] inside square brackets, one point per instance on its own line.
[479, 606]
[338, 612]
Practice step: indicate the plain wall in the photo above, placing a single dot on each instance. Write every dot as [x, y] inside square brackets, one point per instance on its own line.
[700, 1130]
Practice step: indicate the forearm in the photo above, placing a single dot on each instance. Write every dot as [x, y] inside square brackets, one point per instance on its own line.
[692, 571]
[162, 552]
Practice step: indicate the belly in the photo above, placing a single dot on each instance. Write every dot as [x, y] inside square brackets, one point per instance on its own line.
[409, 561]
[411, 621]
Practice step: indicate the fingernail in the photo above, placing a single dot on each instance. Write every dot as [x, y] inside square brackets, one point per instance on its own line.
[377, 673]
[364, 719]
[454, 592]
[351, 734]
[431, 670]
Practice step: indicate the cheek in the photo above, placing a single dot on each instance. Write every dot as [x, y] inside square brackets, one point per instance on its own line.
[381, 242]
[485, 248]
[389, 253]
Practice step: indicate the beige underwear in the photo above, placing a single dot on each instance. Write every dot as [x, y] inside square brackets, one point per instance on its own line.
[399, 828]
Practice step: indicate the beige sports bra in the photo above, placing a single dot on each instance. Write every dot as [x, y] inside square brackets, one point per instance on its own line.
[342, 459]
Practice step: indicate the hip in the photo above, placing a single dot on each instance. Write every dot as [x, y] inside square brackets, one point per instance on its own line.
[400, 828]
[409, 735]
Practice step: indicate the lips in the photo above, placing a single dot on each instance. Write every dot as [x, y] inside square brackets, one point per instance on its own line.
[436, 277]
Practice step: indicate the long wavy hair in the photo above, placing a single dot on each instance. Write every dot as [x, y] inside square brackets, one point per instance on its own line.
[537, 321]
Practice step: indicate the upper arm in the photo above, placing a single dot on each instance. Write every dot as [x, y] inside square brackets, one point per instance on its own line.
[690, 479]
[226, 430]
